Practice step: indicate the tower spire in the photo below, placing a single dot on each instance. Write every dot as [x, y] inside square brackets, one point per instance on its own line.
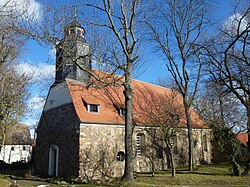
[73, 44]
[75, 11]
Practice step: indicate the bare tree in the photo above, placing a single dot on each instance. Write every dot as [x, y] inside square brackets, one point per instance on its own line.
[223, 113]
[123, 20]
[214, 103]
[13, 93]
[180, 25]
[164, 112]
[227, 56]
[13, 84]
[119, 23]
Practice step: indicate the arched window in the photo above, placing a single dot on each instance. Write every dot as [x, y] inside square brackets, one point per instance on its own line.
[140, 144]
[204, 142]
[175, 139]
[120, 156]
[159, 153]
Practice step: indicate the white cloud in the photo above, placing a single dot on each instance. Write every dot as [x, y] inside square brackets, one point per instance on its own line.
[38, 72]
[36, 102]
[26, 9]
[52, 53]
[233, 22]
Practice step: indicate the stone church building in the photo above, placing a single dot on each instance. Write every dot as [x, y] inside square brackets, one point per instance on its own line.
[81, 130]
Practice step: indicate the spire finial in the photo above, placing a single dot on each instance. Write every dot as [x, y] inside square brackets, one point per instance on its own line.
[75, 11]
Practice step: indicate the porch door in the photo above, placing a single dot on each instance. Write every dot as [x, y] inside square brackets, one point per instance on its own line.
[53, 161]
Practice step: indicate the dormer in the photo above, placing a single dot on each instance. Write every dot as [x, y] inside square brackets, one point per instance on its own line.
[91, 106]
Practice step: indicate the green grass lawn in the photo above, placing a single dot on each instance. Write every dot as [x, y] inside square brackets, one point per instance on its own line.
[205, 175]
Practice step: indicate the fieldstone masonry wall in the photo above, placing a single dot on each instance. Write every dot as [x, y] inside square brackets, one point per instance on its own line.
[58, 127]
[91, 150]
[100, 144]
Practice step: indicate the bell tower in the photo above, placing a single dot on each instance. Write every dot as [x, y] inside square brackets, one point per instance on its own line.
[73, 55]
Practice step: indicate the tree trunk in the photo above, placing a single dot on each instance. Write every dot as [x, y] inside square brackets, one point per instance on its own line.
[236, 167]
[153, 168]
[172, 164]
[3, 137]
[170, 154]
[191, 165]
[128, 92]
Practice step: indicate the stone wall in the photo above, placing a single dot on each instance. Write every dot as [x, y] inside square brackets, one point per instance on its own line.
[100, 144]
[59, 127]
[97, 150]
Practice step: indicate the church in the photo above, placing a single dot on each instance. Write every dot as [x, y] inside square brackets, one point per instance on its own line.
[81, 129]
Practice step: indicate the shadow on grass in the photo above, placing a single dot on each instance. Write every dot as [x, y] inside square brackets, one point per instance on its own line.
[202, 173]
[221, 169]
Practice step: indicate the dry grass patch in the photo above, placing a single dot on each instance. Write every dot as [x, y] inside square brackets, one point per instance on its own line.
[4, 182]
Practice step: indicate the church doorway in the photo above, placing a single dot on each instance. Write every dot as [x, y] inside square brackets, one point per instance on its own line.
[53, 161]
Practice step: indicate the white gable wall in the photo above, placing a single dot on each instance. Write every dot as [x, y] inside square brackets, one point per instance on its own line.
[58, 96]
[15, 153]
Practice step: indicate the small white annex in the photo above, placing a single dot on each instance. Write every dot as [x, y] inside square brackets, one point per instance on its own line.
[18, 145]
[15, 153]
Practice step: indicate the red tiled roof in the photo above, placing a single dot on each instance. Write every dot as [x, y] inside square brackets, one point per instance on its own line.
[243, 138]
[146, 102]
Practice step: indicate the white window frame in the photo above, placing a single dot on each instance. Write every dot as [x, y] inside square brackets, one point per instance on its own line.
[138, 145]
[98, 108]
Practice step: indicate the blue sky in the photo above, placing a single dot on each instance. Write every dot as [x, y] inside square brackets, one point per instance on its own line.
[40, 61]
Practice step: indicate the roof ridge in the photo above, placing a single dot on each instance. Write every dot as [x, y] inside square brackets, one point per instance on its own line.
[162, 87]
[107, 73]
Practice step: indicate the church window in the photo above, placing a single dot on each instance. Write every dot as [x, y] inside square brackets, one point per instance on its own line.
[24, 148]
[122, 112]
[175, 139]
[204, 142]
[93, 108]
[12, 148]
[159, 153]
[140, 144]
[120, 156]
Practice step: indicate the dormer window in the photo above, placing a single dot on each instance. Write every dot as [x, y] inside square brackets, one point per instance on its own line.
[93, 108]
[122, 112]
